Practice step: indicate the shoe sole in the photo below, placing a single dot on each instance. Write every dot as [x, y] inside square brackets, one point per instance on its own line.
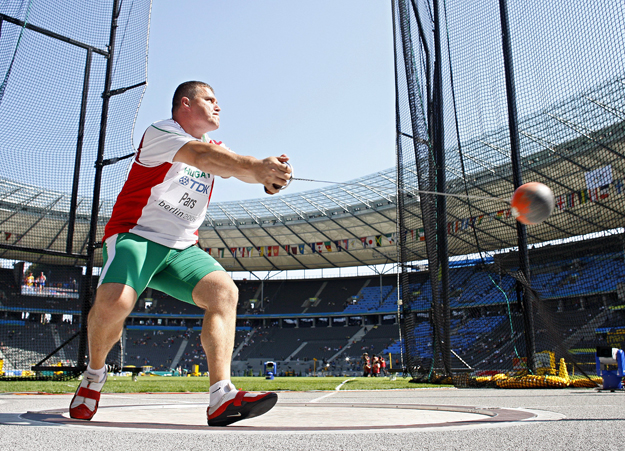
[249, 410]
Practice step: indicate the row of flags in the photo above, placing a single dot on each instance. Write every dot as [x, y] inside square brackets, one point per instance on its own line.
[319, 247]
[576, 198]
[563, 201]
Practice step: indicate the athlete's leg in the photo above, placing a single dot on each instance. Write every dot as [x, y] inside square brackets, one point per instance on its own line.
[194, 276]
[129, 263]
[113, 303]
[217, 294]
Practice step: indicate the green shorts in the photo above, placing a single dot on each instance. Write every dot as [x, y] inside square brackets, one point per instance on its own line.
[140, 263]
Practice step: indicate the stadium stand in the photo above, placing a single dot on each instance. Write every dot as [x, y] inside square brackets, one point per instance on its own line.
[146, 346]
[291, 296]
[337, 294]
[294, 327]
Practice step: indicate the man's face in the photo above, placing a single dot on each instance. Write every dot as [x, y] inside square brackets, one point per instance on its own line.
[205, 111]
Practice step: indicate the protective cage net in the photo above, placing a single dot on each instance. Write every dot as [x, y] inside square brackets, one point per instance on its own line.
[486, 302]
[53, 72]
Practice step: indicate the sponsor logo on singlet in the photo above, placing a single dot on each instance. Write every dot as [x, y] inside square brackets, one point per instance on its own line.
[198, 187]
[187, 195]
[196, 173]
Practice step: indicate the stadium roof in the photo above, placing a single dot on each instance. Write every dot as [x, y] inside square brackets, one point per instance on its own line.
[354, 223]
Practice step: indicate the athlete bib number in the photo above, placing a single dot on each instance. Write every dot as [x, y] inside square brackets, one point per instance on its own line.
[186, 198]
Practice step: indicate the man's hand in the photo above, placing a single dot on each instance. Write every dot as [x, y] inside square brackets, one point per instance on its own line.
[274, 173]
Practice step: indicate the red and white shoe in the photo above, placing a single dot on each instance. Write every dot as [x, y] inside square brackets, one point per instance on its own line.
[85, 402]
[238, 405]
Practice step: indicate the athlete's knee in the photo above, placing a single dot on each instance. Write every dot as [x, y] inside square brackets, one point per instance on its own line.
[216, 290]
[114, 301]
[227, 291]
[231, 290]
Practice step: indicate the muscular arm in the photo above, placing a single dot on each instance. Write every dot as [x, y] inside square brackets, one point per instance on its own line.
[217, 160]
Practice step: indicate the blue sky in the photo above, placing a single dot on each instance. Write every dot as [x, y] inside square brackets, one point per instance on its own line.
[313, 80]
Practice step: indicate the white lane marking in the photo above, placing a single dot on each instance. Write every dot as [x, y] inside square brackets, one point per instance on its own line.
[337, 388]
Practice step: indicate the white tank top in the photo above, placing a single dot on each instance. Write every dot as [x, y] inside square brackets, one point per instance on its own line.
[162, 200]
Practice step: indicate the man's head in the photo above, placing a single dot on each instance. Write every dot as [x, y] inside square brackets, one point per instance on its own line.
[188, 89]
[195, 108]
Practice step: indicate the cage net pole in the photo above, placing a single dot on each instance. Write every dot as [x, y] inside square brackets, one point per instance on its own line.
[414, 362]
[438, 141]
[95, 206]
[517, 177]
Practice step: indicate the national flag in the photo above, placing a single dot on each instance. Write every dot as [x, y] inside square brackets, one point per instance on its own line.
[378, 240]
[476, 220]
[499, 214]
[294, 250]
[355, 243]
[464, 224]
[508, 213]
[391, 237]
[276, 251]
[583, 196]
[571, 200]
[313, 247]
[618, 185]
[7, 235]
[319, 247]
[599, 177]
[261, 251]
[241, 252]
[287, 248]
[561, 202]
[421, 234]
[301, 248]
[369, 241]
[604, 191]
[207, 250]
[341, 245]
[450, 228]
[593, 194]
[250, 251]
[233, 251]
[328, 245]
[220, 252]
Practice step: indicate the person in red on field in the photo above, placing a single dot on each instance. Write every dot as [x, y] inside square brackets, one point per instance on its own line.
[366, 365]
[375, 367]
[383, 366]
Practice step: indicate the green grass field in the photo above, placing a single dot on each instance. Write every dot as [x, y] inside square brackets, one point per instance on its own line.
[159, 384]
